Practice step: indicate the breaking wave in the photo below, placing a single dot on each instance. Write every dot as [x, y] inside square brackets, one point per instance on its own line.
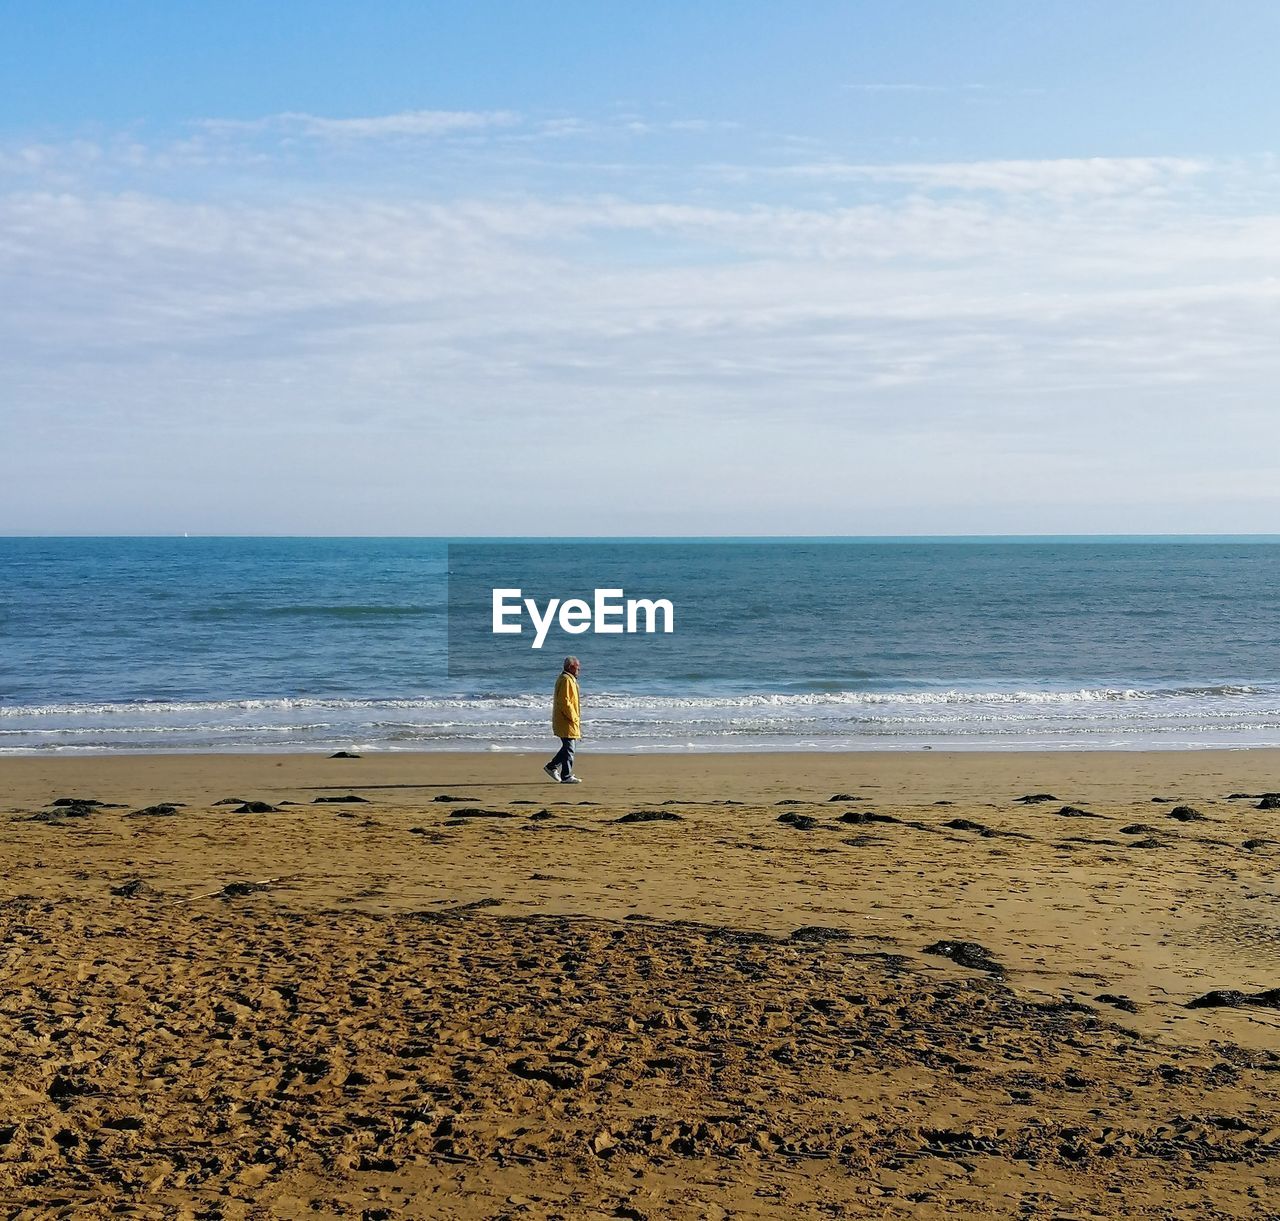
[622, 701]
[1087, 717]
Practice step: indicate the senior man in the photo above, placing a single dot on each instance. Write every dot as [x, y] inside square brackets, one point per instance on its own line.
[566, 723]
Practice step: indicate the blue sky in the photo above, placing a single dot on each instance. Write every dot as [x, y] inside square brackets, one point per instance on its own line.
[570, 268]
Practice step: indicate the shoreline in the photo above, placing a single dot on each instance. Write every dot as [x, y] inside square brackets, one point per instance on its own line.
[1157, 718]
[1175, 761]
[630, 750]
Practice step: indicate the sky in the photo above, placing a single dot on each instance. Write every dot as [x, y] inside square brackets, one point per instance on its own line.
[552, 268]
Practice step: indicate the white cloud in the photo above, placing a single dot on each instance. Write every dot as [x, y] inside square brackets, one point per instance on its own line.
[416, 123]
[1072, 314]
[898, 87]
[703, 125]
[1057, 176]
[909, 87]
[869, 299]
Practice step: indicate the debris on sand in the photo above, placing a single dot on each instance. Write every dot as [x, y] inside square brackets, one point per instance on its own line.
[1117, 1002]
[1231, 998]
[967, 954]
[132, 888]
[801, 822]
[163, 809]
[236, 890]
[61, 813]
[967, 824]
[820, 932]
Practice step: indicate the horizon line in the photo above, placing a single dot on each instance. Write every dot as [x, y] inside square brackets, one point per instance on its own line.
[1261, 536]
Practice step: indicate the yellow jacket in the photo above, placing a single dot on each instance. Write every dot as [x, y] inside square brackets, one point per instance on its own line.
[565, 721]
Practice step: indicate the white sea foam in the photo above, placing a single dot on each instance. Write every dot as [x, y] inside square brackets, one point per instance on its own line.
[626, 701]
[1192, 715]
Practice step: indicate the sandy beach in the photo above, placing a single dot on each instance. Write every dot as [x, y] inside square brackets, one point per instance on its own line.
[772, 985]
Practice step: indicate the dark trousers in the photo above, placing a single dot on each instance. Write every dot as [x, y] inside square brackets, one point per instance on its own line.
[564, 758]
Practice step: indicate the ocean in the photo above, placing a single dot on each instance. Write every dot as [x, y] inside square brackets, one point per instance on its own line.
[274, 644]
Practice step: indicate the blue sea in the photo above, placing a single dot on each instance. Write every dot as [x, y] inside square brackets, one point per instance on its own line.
[241, 644]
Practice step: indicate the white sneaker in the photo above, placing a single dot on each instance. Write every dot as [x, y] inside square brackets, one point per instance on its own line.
[571, 780]
[552, 771]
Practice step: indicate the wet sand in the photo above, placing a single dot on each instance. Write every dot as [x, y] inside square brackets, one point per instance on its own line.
[692, 986]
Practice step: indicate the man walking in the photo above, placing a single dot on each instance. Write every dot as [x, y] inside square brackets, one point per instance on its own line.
[566, 723]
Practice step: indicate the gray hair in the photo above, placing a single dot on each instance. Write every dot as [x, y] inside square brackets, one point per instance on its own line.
[571, 661]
